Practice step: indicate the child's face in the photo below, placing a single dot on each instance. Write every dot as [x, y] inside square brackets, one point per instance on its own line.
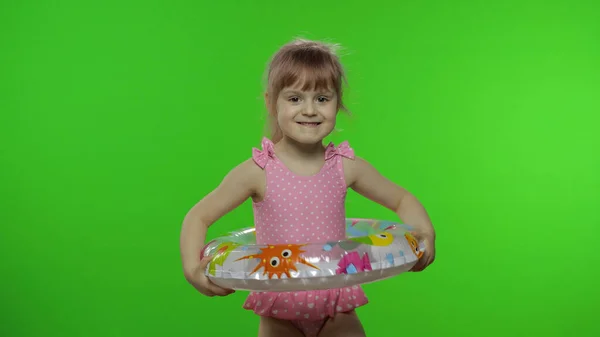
[306, 116]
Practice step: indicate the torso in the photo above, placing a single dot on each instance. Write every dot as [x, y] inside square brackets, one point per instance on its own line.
[310, 209]
[296, 204]
[260, 178]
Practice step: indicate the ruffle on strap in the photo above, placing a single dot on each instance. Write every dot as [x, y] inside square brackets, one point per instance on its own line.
[343, 150]
[261, 157]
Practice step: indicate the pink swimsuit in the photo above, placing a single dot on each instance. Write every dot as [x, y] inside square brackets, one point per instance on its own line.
[301, 209]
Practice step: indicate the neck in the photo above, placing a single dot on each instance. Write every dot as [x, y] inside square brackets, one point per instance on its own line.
[299, 149]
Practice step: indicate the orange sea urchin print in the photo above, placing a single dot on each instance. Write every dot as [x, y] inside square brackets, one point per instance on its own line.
[414, 245]
[278, 260]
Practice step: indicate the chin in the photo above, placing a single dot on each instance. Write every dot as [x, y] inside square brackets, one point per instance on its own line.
[302, 139]
[308, 138]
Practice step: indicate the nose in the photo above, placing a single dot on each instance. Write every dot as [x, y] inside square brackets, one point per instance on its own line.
[309, 110]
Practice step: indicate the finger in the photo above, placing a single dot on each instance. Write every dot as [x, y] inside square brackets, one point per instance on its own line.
[223, 289]
[212, 289]
[421, 264]
[205, 289]
[205, 261]
[425, 262]
[218, 291]
[417, 267]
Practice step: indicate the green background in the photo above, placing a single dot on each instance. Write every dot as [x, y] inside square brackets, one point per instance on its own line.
[116, 117]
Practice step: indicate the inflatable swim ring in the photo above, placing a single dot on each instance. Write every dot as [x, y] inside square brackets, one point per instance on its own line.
[373, 250]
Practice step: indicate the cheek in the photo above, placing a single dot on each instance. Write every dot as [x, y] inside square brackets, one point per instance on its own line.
[285, 112]
[331, 115]
[284, 116]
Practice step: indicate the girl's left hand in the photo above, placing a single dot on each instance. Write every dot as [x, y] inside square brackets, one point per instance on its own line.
[429, 253]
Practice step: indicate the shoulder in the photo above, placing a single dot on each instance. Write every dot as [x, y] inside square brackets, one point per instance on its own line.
[246, 175]
[354, 167]
[248, 167]
[250, 170]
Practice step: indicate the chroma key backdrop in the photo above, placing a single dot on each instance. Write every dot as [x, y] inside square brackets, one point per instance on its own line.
[116, 117]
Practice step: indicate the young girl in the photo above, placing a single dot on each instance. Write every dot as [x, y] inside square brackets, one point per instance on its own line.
[298, 188]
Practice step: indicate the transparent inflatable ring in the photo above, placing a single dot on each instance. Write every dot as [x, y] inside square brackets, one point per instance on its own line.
[373, 250]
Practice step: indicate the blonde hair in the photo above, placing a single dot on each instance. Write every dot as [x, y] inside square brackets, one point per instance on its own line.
[314, 62]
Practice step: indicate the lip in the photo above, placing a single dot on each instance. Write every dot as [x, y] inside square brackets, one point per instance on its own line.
[309, 124]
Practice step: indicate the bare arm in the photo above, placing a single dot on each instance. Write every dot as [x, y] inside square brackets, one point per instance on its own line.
[237, 186]
[363, 178]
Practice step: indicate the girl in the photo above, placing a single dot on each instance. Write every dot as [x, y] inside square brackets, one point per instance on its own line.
[298, 189]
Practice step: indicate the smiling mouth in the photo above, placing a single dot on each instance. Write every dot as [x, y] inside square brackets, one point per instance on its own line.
[310, 124]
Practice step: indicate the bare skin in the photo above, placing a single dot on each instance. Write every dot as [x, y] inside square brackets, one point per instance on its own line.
[239, 184]
[248, 181]
[273, 327]
[343, 324]
[303, 153]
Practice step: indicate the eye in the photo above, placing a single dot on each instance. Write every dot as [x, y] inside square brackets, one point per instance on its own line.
[323, 99]
[274, 261]
[382, 236]
[294, 99]
[286, 253]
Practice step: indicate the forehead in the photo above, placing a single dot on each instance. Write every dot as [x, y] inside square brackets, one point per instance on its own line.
[301, 89]
[307, 79]
[309, 84]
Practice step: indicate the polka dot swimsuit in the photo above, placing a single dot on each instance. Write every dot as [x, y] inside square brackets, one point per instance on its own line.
[299, 209]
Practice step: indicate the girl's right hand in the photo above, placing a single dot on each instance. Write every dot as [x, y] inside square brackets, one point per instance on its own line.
[199, 280]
